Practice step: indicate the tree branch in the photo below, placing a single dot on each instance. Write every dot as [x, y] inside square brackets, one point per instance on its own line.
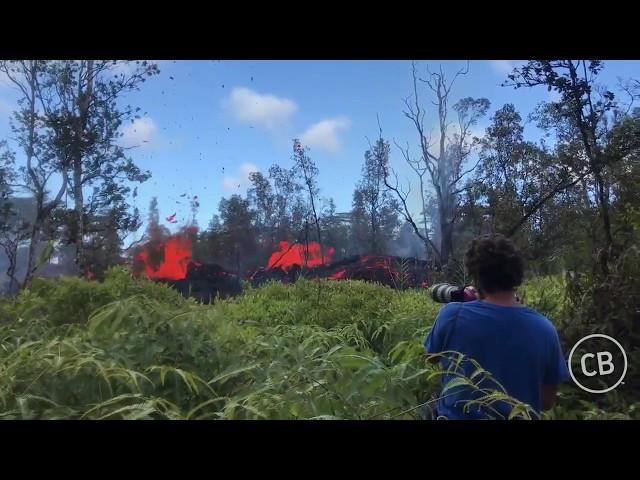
[557, 189]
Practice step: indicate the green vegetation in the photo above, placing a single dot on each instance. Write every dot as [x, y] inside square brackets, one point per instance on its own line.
[133, 349]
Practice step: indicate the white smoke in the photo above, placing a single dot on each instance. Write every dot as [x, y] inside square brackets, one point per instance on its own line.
[407, 244]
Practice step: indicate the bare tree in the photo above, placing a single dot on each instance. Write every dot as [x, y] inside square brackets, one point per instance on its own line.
[309, 172]
[440, 163]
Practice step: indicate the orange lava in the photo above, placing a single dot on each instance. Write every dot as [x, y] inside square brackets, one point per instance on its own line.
[297, 254]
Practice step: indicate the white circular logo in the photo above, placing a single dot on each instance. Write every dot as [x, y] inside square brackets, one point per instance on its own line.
[602, 358]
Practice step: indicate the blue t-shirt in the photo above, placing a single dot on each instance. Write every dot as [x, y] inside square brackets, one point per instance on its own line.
[517, 345]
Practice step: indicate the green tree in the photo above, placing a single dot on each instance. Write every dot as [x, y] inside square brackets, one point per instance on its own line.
[85, 115]
[373, 201]
[237, 232]
[584, 120]
[512, 187]
[104, 244]
[598, 147]
[359, 229]
[308, 171]
[42, 167]
[14, 229]
[287, 203]
[336, 232]
[263, 202]
[209, 245]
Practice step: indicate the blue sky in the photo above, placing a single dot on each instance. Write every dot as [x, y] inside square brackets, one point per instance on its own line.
[207, 124]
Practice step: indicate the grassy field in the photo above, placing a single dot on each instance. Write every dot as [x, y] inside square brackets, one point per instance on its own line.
[132, 349]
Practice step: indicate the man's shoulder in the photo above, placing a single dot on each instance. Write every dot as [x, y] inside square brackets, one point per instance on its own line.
[446, 316]
[450, 311]
[540, 321]
[528, 314]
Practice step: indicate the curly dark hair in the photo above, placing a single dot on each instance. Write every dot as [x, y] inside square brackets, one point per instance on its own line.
[494, 263]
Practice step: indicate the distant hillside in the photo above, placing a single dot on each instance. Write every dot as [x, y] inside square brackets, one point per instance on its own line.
[23, 207]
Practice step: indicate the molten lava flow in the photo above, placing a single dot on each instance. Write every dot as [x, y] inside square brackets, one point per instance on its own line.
[297, 254]
[395, 272]
[167, 260]
[342, 274]
[372, 261]
[371, 266]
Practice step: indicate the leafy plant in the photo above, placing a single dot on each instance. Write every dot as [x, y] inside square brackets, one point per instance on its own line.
[132, 349]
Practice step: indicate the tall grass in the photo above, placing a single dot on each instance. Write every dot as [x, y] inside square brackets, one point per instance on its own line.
[129, 349]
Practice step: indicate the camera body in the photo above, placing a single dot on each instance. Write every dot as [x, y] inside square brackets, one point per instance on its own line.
[445, 293]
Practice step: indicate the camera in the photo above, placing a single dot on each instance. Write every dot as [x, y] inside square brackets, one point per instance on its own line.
[445, 293]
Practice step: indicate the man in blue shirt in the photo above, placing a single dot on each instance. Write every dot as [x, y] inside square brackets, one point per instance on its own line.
[518, 346]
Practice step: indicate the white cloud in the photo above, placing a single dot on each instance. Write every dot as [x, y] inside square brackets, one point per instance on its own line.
[266, 110]
[503, 67]
[240, 182]
[247, 168]
[324, 134]
[141, 133]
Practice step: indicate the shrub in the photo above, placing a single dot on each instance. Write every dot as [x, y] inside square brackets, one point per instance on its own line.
[129, 349]
[69, 300]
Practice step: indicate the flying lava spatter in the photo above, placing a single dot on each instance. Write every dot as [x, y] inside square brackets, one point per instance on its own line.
[167, 259]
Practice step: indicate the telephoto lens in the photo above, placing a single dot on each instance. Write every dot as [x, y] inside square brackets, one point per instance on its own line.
[445, 293]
